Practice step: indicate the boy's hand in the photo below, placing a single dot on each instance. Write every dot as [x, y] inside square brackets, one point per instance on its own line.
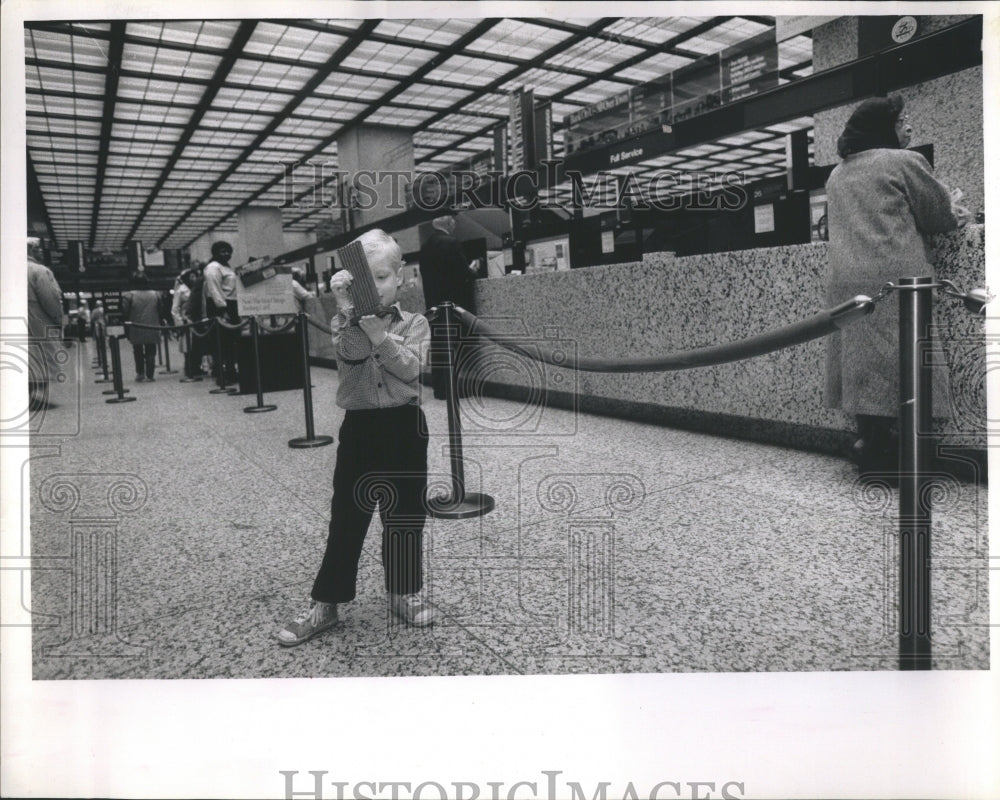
[338, 286]
[374, 328]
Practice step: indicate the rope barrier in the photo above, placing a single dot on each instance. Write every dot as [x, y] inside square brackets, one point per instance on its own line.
[820, 324]
[268, 330]
[317, 324]
[233, 326]
[209, 324]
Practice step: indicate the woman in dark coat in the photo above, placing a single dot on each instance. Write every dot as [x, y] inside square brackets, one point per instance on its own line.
[142, 306]
[882, 202]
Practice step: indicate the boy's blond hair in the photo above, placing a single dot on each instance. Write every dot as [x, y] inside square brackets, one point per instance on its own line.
[380, 248]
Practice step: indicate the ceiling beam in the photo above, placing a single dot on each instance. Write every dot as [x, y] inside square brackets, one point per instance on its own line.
[669, 45]
[305, 92]
[493, 85]
[456, 47]
[233, 52]
[115, 47]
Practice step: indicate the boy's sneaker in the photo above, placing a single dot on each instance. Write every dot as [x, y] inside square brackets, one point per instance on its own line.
[316, 619]
[412, 609]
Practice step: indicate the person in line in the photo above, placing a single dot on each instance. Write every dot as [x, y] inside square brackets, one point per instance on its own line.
[82, 321]
[45, 326]
[98, 326]
[98, 329]
[446, 275]
[142, 306]
[194, 311]
[382, 451]
[883, 200]
[220, 302]
[300, 292]
[182, 291]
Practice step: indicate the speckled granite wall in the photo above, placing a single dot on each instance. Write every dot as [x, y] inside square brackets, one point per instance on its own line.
[946, 112]
[668, 304]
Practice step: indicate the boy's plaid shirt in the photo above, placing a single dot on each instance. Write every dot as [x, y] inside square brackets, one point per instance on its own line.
[384, 376]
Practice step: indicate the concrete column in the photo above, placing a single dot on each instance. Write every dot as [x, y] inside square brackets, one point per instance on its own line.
[380, 149]
[260, 234]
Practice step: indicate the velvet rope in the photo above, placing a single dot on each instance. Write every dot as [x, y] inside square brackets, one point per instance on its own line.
[820, 324]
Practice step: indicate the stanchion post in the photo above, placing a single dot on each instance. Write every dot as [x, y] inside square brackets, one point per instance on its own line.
[166, 354]
[460, 505]
[257, 376]
[310, 439]
[914, 465]
[159, 351]
[102, 353]
[116, 361]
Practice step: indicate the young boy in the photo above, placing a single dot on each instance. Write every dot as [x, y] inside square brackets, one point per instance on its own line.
[382, 450]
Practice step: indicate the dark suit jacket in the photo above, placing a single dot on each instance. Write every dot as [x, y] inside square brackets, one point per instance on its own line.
[444, 271]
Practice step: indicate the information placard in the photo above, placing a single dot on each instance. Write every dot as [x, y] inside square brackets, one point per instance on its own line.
[263, 289]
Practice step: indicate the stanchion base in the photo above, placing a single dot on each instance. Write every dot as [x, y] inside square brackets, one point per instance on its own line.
[190, 380]
[119, 400]
[104, 380]
[258, 409]
[168, 371]
[114, 391]
[473, 504]
[316, 441]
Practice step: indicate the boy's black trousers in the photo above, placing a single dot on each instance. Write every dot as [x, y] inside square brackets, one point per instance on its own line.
[381, 461]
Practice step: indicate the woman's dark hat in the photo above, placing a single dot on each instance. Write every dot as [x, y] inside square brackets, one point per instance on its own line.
[871, 126]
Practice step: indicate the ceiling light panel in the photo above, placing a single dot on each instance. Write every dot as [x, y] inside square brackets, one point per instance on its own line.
[206, 34]
[655, 67]
[518, 40]
[133, 88]
[594, 55]
[348, 86]
[251, 100]
[329, 108]
[653, 30]
[293, 43]
[390, 59]
[431, 95]
[542, 81]
[168, 62]
[470, 70]
[269, 75]
[724, 35]
[431, 31]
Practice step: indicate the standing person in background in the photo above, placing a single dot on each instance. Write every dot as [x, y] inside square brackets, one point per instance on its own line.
[45, 313]
[299, 290]
[82, 321]
[193, 310]
[98, 326]
[446, 275]
[142, 306]
[180, 297]
[98, 329]
[220, 302]
[882, 202]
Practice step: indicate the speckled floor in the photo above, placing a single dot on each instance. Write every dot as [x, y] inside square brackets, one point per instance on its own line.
[172, 536]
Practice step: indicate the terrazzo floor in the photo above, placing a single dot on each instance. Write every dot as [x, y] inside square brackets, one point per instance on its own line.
[172, 536]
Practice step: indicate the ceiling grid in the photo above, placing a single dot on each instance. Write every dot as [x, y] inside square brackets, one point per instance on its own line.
[162, 130]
